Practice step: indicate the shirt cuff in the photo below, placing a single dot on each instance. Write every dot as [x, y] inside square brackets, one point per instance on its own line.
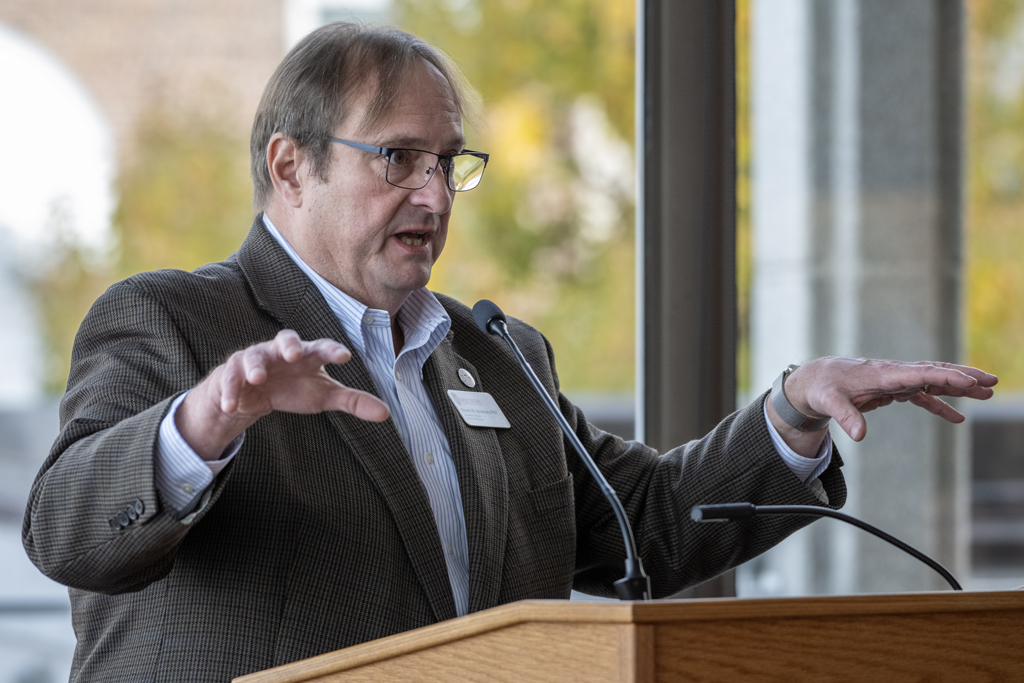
[806, 469]
[181, 475]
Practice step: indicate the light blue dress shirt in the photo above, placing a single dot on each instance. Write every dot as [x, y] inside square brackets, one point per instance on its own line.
[183, 478]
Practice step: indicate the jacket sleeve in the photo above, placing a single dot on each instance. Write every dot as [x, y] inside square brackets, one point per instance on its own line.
[735, 462]
[128, 364]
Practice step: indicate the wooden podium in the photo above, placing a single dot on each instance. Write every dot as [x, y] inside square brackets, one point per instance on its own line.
[955, 637]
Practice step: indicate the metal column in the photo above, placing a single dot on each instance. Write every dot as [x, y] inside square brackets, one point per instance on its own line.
[686, 223]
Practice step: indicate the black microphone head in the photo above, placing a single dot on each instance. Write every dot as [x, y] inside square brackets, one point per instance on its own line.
[722, 512]
[484, 312]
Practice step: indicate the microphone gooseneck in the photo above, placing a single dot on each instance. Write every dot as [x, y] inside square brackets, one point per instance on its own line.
[729, 511]
[635, 585]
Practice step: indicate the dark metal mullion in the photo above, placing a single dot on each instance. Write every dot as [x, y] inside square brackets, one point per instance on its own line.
[686, 223]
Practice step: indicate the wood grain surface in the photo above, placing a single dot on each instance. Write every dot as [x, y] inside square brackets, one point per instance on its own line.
[939, 647]
[961, 637]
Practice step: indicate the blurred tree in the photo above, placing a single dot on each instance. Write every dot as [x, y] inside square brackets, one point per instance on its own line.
[66, 284]
[549, 234]
[184, 200]
[995, 189]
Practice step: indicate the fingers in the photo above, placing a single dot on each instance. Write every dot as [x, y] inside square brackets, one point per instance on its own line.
[256, 359]
[287, 345]
[846, 415]
[955, 377]
[360, 404]
[253, 366]
[946, 379]
[977, 392]
[983, 378]
[936, 406]
[231, 381]
[901, 376]
[254, 362]
[905, 380]
[328, 351]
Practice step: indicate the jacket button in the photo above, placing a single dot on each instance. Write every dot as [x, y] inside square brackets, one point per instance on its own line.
[132, 514]
[114, 524]
[122, 517]
[139, 507]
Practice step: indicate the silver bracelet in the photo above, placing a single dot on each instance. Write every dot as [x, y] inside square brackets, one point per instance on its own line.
[790, 415]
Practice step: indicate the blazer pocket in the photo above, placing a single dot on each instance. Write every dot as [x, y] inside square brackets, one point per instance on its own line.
[554, 496]
[540, 551]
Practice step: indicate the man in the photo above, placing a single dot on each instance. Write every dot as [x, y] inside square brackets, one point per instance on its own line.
[259, 461]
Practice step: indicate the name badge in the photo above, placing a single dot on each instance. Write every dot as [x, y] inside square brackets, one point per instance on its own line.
[478, 409]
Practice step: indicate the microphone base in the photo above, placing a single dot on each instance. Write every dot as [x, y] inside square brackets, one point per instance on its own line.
[635, 585]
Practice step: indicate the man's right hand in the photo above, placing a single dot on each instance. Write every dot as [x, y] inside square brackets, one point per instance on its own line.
[284, 374]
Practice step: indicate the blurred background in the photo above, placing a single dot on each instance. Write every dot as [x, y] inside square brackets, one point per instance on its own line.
[126, 149]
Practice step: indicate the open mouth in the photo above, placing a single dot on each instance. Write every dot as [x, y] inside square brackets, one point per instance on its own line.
[413, 239]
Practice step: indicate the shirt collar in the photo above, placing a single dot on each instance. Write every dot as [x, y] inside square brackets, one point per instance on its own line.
[422, 317]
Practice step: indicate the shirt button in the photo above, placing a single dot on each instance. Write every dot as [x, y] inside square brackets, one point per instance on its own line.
[450, 548]
[398, 374]
[367, 318]
[430, 458]
[188, 488]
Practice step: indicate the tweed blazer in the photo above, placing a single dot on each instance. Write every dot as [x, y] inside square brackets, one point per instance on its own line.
[319, 534]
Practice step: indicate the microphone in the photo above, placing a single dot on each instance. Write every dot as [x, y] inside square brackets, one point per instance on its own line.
[635, 585]
[489, 317]
[729, 511]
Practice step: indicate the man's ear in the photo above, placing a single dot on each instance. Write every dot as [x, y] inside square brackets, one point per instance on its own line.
[285, 163]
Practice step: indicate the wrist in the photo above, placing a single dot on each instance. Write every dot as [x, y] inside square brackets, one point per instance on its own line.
[206, 428]
[805, 444]
[790, 402]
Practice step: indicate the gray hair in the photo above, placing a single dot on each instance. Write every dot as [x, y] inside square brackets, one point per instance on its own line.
[309, 93]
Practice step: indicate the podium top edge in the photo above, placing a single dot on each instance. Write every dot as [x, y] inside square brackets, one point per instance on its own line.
[656, 611]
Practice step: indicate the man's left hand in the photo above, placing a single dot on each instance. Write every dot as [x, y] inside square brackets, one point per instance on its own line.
[846, 388]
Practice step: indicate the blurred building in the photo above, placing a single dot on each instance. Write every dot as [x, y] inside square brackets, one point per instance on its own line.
[76, 79]
[135, 54]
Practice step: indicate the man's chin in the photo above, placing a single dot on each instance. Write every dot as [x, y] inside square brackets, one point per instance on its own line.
[412, 281]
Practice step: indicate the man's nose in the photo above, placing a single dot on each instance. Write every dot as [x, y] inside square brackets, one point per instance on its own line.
[435, 195]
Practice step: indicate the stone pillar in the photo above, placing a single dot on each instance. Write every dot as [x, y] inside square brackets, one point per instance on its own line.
[857, 127]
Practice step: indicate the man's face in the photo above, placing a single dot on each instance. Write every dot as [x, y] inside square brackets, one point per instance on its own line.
[374, 241]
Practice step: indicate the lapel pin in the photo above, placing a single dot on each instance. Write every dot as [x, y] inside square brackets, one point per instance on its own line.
[467, 378]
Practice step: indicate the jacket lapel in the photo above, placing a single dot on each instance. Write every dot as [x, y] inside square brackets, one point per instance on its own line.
[482, 477]
[285, 291]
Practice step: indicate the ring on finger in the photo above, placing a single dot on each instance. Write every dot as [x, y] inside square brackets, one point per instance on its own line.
[926, 388]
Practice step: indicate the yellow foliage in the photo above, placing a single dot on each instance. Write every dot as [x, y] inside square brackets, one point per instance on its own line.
[519, 134]
[994, 242]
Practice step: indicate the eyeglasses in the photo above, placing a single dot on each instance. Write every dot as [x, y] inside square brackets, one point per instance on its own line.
[412, 169]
